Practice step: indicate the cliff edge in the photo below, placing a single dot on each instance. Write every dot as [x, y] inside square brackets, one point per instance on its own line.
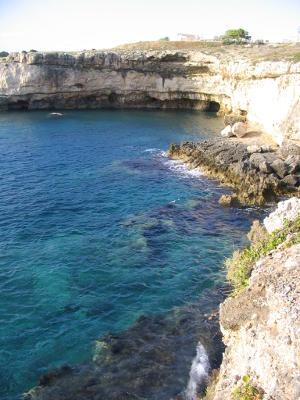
[260, 322]
[264, 89]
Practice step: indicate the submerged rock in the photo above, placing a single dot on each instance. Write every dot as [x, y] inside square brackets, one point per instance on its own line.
[153, 360]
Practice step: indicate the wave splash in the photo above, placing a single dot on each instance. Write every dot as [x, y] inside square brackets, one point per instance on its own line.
[198, 373]
[178, 167]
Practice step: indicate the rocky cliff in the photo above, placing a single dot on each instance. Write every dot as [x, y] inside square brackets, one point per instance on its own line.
[267, 92]
[260, 324]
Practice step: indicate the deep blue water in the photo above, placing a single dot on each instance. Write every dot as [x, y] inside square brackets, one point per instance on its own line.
[98, 227]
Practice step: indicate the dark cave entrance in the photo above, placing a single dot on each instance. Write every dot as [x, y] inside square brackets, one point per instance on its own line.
[213, 106]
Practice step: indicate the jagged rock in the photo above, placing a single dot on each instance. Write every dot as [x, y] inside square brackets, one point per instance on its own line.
[254, 149]
[239, 129]
[286, 210]
[259, 161]
[229, 200]
[231, 119]
[227, 132]
[289, 148]
[265, 148]
[280, 168]
[290, 180]
[230, 162]
[293, 163]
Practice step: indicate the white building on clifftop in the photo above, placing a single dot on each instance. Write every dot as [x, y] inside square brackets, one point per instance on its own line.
[187, 37]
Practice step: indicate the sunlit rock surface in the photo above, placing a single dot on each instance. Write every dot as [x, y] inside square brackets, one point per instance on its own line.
[260, 325]
[266, 92]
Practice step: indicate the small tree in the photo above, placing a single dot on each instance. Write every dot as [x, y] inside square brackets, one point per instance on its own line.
[4, 54]
[236, 34]
[165, 39]
[32, 51]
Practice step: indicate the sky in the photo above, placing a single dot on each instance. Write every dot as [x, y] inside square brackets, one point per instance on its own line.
[49, 25]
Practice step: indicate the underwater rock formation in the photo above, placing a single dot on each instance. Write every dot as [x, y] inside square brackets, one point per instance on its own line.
[151, 360]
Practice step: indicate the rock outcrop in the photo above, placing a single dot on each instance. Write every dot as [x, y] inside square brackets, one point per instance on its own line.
[261, 326]
[286, 211]
[265, 92]
[259, 177]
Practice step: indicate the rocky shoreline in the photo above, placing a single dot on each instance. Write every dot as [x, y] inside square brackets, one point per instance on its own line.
[259, 174]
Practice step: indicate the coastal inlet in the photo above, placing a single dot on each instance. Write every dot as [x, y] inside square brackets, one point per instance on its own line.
[110, 251]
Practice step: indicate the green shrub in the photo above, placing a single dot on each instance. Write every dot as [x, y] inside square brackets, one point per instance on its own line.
[165, 39]
[240, 266]
[297, 57]
[246, 391]
[4, 54]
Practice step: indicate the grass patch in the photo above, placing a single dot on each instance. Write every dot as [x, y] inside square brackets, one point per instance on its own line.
[240, 266]
[297, 57]
[246, 391]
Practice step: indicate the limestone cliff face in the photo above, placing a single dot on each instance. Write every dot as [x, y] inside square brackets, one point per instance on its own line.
[261, 326]
[267, 92]
[261, 330]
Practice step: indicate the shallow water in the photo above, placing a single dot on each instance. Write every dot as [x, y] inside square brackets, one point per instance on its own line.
[99, 227]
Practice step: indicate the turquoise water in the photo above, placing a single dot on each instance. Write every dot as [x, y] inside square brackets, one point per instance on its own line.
[99, 227]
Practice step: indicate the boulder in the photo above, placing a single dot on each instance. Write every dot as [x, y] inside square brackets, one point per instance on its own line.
[280, 168]
[286, 210]
[293, 163]
[259, 162]
[289, 148]
[254, 149]
[227, 200]
[239, 129]
[227, 132]
[265, 148]
[290, 180]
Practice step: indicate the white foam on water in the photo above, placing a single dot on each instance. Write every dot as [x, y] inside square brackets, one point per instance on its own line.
[198, 373]
[151, 150]
[175, 166]
[179, 167]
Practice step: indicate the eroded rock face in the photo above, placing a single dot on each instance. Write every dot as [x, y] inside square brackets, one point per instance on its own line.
[259, 178]
[261, 329]
[267, 93]
[286, 210]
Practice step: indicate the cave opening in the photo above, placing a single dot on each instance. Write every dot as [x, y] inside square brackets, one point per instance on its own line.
[213, 106]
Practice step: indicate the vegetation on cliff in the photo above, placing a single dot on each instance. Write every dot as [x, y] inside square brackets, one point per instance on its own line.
[246, 391]
[240, 266]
